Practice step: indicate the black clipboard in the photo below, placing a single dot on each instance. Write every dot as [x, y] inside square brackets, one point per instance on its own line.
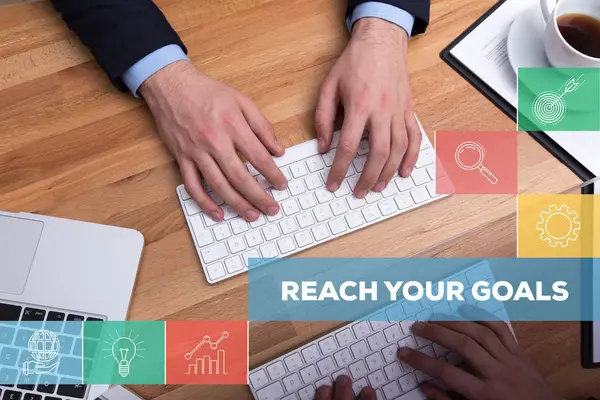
[542, 138]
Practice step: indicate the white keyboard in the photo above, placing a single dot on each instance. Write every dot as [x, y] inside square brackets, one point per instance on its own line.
[366, 352]
[309, 215]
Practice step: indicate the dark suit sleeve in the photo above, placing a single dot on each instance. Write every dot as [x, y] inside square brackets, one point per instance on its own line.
[418, 8]
[118, 32]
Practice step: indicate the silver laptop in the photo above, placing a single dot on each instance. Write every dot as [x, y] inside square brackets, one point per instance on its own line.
[55, 270]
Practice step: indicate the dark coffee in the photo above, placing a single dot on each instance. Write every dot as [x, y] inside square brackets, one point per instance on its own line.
[582, 32]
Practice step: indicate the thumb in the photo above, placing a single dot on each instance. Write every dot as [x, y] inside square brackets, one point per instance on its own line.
[325, 113]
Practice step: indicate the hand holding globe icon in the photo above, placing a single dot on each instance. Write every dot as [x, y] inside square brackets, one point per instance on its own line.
[43, 347]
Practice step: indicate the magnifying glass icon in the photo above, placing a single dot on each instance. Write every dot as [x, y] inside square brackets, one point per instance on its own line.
[469, 156]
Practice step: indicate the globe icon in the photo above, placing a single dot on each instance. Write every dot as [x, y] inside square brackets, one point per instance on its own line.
[43, 346]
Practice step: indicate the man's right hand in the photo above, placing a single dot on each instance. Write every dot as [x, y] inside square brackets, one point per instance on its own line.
[204, 123]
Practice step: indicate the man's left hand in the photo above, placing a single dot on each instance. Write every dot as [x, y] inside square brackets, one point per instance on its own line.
[370, 80]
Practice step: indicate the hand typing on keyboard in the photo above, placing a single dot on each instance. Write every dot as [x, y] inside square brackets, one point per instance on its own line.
[500, 369]
[370, 79]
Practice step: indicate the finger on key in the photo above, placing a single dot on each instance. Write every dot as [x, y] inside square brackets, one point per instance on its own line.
[399, 143]
[259, 157]
[414, 145]
[261, 126]
[379, 153]
[192, 181]
[368, 393]
[453, 377]
[352, 130]
[433, 393]
[324, 393]
[325, 113]
[221, 186]
[239, 177]
[343, 388]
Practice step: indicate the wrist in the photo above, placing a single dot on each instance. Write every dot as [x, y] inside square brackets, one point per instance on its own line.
[379, 30]
[166, 81]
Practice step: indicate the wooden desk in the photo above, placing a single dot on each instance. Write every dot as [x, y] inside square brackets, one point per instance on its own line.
[72, 146]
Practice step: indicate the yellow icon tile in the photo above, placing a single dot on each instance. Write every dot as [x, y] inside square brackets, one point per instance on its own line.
[555, 226]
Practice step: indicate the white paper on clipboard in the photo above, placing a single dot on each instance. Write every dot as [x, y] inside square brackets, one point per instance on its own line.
[484, 52]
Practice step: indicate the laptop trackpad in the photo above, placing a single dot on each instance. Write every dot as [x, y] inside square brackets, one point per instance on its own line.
[19, 239]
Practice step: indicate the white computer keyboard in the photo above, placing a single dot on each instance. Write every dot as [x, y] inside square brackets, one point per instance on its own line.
[310, 214]
[366, 351]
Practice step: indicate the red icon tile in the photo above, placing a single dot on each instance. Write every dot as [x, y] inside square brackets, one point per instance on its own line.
[477, 162]
[207, 352]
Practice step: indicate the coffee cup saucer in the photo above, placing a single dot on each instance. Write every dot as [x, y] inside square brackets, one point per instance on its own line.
[526, 40]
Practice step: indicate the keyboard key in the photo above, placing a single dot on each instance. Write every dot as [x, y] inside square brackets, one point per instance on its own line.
[269, 250]
[296, 187]
[326, 366]
[313, 181]
[343, 190]
[9, 312]
[236, 244]
[259, 222]
[371, 213]
[419, 176]
[391, 390]
[288, 226]
[407, 382]
[183, 193]
[276, 370]
[354, 202]
[32, 396]
[12, 395]
[6, 334]
[372, 197]
[280, 195]
[393, 371]
[363, 147]
[203, 236]
[359, 349]
[344, 337]
[390, 190]
[253, 171]
[342, 357]
[359, 163]
[327, 345]
[307, 393]
[286, 245]
[293, 362]
[253, 238]
[272, 392]
[392, 334]
[419, 195]
[290, 207]
[328, 157]
[191, 207]
[286, 172]
[404, 201]
[298, 169]
[426, 157]
[47, 384]
[262, 182]
[376, 379]
[357, 369]
[320, 232]
[33, 314]
[359, 385]
[305, 219]
[326, 381]
[323, 195]
[214, 253]
[337, 226]
[271, 232]
[309, 374]
[315, 163]
[355, 219]
[251, 255]
[208, 221]
[276, 217]
[404, 184]
[303, 238]
[258, 378]
[387, 207]
[234, 264]
[323, 213]
[376, 341]
[310, 353]
[292, 382]
[431, 189]
[9, 356]
[338, 207]
[361, 329]
[238, 226]
[408, 341]
[216, 198]
[222, 231]
[215, 271]
[307, 201]
[71, 388]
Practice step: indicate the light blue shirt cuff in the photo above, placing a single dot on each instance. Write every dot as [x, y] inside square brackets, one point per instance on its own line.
[151, 64]
[375, 9]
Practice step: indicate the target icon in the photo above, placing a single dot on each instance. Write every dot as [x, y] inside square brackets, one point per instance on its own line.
[549, 108]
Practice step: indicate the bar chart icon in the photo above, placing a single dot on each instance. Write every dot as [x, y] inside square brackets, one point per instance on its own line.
[206, 364]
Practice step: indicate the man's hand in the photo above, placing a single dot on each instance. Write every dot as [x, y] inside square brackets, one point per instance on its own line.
[342, 390]
[371, 81]
[204, 123]
[501, 369]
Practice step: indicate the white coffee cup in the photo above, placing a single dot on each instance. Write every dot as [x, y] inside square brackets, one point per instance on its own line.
[560, 53]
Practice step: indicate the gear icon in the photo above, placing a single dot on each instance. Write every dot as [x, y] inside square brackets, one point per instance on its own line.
[559, 215]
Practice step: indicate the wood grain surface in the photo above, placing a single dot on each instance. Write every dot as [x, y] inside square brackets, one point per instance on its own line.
[73, 146]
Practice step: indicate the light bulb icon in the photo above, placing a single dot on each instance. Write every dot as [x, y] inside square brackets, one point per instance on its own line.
[124, 348]
[124, 351]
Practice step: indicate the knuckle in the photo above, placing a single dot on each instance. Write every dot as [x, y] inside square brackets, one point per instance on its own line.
[466, 345]
[380, 151]
[347, 148]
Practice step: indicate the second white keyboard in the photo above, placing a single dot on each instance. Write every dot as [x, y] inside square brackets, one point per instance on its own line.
[309, 215]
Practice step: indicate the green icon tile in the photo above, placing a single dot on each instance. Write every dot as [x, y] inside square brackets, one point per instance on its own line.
[124, 352]
[559, 99]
